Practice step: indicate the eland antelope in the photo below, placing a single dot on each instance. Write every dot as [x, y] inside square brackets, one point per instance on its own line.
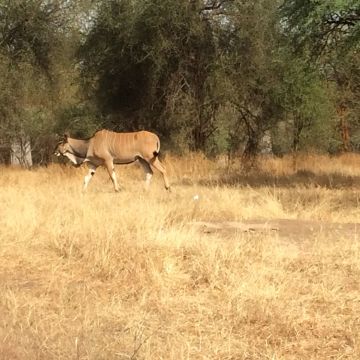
[108, 148]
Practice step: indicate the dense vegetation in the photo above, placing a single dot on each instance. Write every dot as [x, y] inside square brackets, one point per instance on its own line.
[209, 75]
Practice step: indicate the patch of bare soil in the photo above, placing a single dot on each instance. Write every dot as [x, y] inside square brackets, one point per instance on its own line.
[286, 228]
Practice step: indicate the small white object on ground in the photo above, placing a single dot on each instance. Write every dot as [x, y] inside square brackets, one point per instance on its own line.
[196, 197]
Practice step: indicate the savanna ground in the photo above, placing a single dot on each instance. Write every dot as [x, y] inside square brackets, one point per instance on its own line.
[153, 275]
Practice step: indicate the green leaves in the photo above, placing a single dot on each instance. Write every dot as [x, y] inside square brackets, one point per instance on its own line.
[204, 75]
[142, 57]
[322, 26]
[29, 31]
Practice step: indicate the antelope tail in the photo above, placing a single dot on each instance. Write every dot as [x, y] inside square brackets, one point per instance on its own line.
[156, 152]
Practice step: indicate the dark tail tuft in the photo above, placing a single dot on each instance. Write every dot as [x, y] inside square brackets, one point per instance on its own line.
[156, 152]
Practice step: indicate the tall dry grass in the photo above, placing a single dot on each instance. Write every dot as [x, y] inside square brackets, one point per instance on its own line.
[124, 276]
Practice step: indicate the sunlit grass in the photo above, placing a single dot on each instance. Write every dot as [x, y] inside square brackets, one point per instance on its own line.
[125, 276]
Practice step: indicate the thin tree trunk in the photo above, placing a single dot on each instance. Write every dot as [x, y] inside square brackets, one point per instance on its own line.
[21, 152]
[296, 142]
[250, 151]
[344, 128]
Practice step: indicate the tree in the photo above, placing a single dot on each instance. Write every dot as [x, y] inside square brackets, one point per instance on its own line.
[323, 27]
[247, 36]
[32, 59]
[145, 62]
[329, 34]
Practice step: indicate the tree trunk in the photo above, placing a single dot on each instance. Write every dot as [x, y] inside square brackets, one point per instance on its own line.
[21, 152]
[199, 137]
[250, 151]
[254, 133]
[344, 128]
[298, 127]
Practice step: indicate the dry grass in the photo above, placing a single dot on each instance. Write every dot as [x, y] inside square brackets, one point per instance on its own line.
[123, 276]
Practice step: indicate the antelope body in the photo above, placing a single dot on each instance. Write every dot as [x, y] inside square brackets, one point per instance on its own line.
[108, 148]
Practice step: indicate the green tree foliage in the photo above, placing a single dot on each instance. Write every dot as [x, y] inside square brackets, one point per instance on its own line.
[212, 75]
[328, 34]
[173, 66]
[146, 60]
[35, 51]
[323, 26]
[28, 31]
[251, 70]
[308, 109]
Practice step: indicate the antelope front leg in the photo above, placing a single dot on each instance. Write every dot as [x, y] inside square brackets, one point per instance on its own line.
[110, 168]
[88, 177]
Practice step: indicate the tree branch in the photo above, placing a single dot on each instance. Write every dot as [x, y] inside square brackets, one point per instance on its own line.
[349, 19]
[214, 5]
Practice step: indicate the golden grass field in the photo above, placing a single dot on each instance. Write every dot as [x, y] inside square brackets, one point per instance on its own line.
[126, 275]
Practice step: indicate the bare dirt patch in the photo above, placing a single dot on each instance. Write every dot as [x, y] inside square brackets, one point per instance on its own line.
[285, 228]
